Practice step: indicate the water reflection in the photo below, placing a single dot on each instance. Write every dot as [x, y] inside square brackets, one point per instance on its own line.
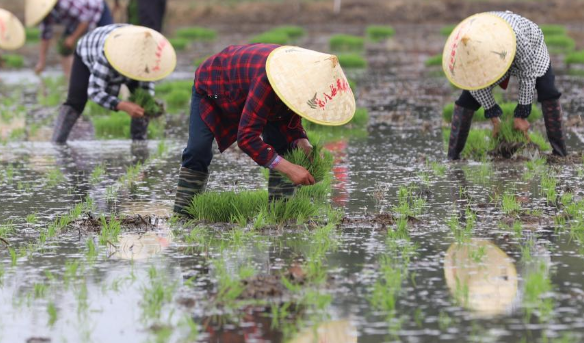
[481, 277]
[341, 331]
[140, 246]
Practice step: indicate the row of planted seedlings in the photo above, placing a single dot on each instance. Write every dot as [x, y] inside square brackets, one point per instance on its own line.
[557, 39]
[15, 60]
[101, 234]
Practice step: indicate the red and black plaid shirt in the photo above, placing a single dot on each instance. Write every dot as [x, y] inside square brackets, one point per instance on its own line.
[239, 101]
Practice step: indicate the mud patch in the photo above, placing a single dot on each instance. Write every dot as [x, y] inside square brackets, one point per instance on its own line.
[136, 223]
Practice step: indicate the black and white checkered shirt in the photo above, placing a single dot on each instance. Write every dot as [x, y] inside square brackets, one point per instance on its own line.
[532, 60]
[105, 81]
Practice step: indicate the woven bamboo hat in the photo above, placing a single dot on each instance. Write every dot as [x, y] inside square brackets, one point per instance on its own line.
[140, 53]
[340, 331]
[479, 51]
[12, 34]
[36, 10]
[312, 84]
[491, 281]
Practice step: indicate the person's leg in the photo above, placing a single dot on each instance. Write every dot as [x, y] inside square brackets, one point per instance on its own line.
[106, 16]
[464, 109]
[196, 158]
[75, 103]
[549, 97]
[151, 13]
[279, 187]
[66, 53]
[138, 126]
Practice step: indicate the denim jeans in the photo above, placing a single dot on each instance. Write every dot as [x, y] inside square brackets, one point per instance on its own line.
[199, 151]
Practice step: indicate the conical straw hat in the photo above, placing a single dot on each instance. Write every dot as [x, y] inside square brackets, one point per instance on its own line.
[140, 53]
[36, 10]
[479, 51]
[312, 84]
[12, 34]
[481, 277]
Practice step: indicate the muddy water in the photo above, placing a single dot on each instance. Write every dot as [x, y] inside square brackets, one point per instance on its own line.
[495, 285]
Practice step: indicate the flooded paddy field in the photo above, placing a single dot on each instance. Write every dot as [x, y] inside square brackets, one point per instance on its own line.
[415, 249]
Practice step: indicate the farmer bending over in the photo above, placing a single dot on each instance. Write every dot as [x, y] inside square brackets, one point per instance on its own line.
[105, 59]
[484, 51]
[78, 17]
[256, 95]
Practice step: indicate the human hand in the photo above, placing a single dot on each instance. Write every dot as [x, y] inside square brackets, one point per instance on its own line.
[134, 110]
[496, 126]
[522, 125]
[40, 67]
[297, 174]
[305, 145]
[69, 42]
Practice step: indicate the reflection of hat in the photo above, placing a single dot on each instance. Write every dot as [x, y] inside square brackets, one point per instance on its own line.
[479, 51]
[12, 34]
[481, 276]
[341, 331]
[312, 84]
[140, 246]
[36, 10]
[140, 53]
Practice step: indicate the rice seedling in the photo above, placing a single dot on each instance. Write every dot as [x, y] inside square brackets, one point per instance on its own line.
[143, 98]
[178, 98]
[434, 61]
[33, 34]
[318, 163]
[548, 188]
[346, 43]
[115, 125]
[438, 168]
[191, 327]
[389, 285]
[71, 272]
[447, 30]
[91, 253]
[378, 33]
[31, 219]
[13, 257]
[271, 37]
[39, 290]
[477, 255]
[82, 297]
[538, 286]
[508, 109]
[164, 88]
[110, 230]
[509, 204]
[196, 33]
[7, 228]
[96, 174]
[553, 30]
[361, 117]
[352, 61]
[293, 32]
[560, 44]
[179, 44]
[576, 57]
[11, 61]
[229, 286]
[54, 177]
[409, 204]
[155, 295]
[444, 321]
[462, 234]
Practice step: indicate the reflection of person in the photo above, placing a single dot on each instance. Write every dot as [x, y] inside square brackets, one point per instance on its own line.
[148, 13]
[105, 59]
[341, 331]
[484, 51]
[481, 277]
[78, 17]
[12, 35]
[135, 247]
[255, 95]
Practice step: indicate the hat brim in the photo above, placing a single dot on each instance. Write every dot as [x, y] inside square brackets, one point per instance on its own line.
[484, 78]
[14, 27]
[36, 11]
[277, 70]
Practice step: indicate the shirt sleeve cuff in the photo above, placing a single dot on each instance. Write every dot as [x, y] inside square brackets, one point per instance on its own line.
[275, 162]
[114, 104]
[522, 111]
[494, 112]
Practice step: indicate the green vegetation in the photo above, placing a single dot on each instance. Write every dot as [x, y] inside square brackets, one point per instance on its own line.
[178, 98]
[117, 125]
[538, 285]
[270, 37]
[462, 233]
[346, 43]
[196, 33]
[509, 204]
[293, 32]
[33, 34]
[576, 57]
[356, 128]
[447, 30]
[143, 98]
[433, 61]
[198, 61]
[378, 33]
[179, 44]
[508, 110]
[352, 61]
[560, 44]
[319, 163]
[11, 61]
[553, 30]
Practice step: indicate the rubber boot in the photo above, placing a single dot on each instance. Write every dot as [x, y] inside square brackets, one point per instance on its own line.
[139, 129]
[64, 124]
[461, 121]
[190, 183]
[552, 115]
[279, 187]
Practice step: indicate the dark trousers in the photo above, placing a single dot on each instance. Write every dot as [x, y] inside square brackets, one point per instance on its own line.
[151, 13]
[545, 86]
[199, 151]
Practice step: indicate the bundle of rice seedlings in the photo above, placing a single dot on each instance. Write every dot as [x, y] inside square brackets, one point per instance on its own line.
[346, 43]
[143, 98]
[508, 109]
[560, 44]
[33, 34]
[293, 32]
[196, 33]
[553, 30]
[179, 44]
[433, 61]
[379, 32]
[12, 61]
[352, 61]
[319, 163]
[271, 37]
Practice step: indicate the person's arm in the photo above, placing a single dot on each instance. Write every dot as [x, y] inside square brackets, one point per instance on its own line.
[42, 62]
[492, 110]
[96, 91]
[259, 103]
[148, 86]
[73, 37]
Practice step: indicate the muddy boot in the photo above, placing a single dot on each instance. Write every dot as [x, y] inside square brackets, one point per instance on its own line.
[139, 129]
[64, 124]
[190, 183]
[279, 187]
[552, 115]
[461, 120]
